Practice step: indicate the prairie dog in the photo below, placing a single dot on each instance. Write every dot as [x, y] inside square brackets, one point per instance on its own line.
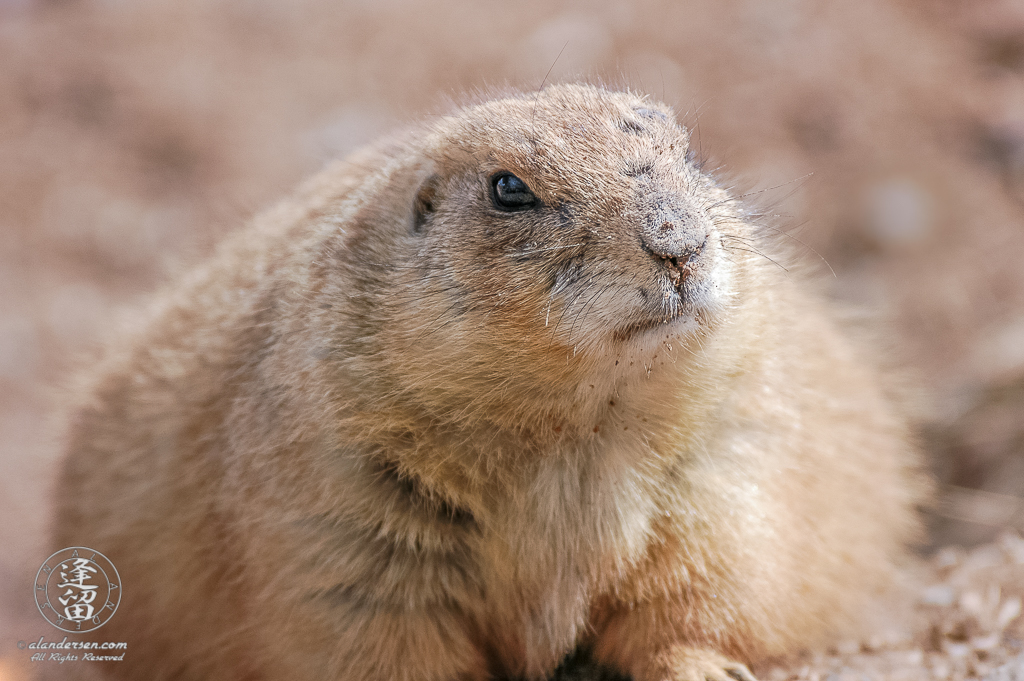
[511, 382]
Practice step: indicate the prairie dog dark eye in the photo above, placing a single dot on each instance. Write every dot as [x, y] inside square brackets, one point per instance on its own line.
[511, 193]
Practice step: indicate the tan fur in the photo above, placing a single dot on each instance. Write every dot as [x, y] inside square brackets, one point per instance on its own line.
[392, 432]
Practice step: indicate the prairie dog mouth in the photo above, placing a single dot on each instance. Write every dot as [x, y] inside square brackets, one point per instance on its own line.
[638, 328]
[677, 296]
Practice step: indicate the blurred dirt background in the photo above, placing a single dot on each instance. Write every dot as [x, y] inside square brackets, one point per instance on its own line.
[887, 135]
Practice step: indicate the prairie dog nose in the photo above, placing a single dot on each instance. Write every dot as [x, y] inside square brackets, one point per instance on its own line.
[676, 232]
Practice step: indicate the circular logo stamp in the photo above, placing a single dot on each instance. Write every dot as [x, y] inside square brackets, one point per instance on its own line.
[77, 589]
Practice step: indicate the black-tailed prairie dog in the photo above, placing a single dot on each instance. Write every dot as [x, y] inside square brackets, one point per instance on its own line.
[515, 381]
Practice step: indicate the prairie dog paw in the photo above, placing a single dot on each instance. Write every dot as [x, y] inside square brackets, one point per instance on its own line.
[693, 664]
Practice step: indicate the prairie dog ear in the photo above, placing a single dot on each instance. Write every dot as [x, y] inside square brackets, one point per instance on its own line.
[423, 205]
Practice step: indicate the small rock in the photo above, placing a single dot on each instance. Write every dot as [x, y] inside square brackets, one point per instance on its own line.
[941, 595]
[986, 556]
[914, 657]
[1009, 611]
[972, 602]
[1013, 545]
[986, 642]
[948, 557]
[956, 650]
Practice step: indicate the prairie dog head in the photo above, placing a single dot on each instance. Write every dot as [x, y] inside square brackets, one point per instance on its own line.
[551, 237]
